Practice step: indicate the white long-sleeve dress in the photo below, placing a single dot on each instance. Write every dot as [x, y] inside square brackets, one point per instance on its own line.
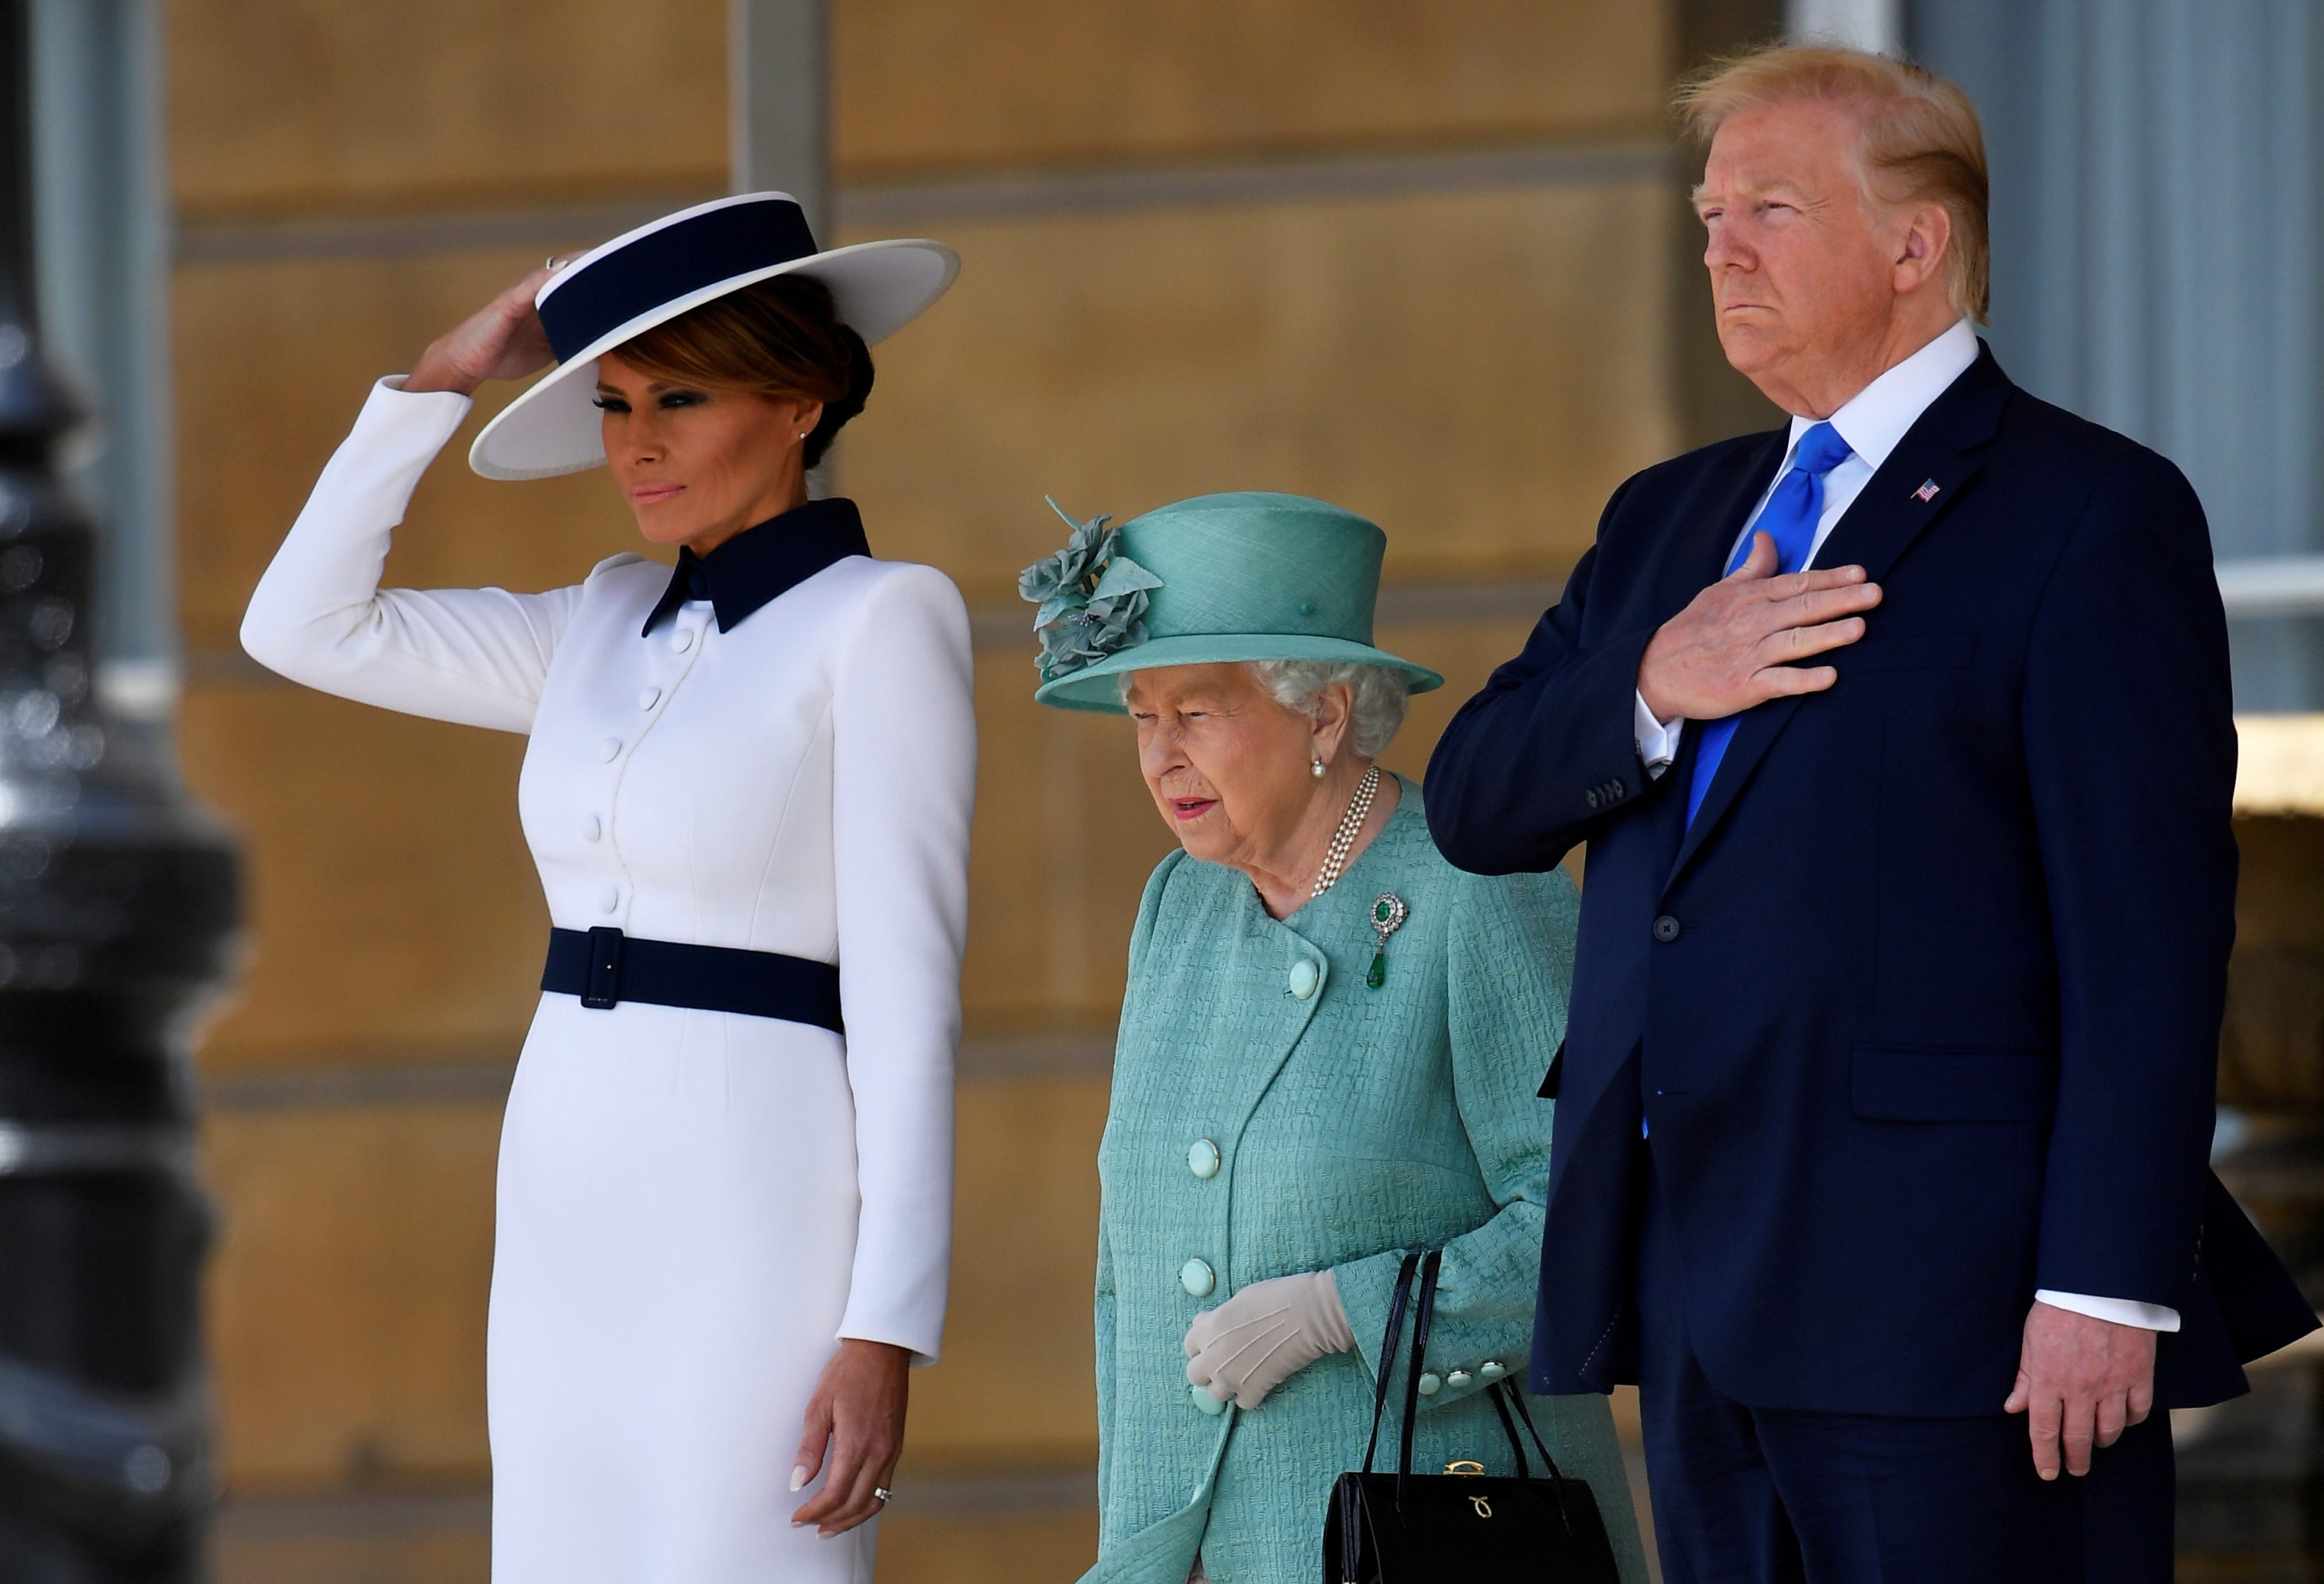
[693, 1206]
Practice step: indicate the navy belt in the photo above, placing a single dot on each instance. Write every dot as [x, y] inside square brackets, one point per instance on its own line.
[605, 968]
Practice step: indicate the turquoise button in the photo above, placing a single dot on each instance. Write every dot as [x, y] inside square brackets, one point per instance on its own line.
[1207, 1402]
[1203, 1159]
[1304, 977]
[1457, 1379]
[1197, 1278]
[1491, 1369]
[1430, 1385]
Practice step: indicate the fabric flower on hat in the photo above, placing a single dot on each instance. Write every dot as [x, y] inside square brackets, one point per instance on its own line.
[1092, 598]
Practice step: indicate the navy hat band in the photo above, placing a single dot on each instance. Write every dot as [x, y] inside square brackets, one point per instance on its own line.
[662, 266]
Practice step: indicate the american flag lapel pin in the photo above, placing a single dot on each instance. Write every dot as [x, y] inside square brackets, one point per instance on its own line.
[1926, 492]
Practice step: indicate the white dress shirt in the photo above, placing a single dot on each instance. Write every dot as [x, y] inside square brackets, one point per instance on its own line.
[1873, 423]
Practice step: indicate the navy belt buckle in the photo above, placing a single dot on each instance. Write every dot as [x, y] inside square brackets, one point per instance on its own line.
[601, 989]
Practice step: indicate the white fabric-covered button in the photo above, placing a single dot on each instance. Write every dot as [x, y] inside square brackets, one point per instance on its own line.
[1456, 1378]
[1492, 1369]
[1208, 1405]
[1203, 1159]
[682, 640]
[609, 899]
[592, 827]
[1429, 1384]
[1197, 1278]
[610, 750]
[1304, 979]
[648, 698]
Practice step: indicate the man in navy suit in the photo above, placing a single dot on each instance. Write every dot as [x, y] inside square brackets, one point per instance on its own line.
[1901, 742]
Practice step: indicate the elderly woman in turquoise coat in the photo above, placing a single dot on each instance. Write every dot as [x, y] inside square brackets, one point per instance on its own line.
[1328, 1053]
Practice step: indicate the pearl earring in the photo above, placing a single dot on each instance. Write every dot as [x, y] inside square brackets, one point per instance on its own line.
[1316, 767]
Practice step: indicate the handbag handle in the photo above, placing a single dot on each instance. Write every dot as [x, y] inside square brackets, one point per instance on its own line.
[1431, 1266]
[1395, 1304]
[1506, 1395]
[1350, 1509]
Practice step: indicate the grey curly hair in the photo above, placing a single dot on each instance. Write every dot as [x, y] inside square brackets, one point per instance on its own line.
[1378, 696]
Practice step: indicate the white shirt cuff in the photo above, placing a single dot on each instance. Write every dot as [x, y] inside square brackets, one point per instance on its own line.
[2151, 1317]
[1657, 743]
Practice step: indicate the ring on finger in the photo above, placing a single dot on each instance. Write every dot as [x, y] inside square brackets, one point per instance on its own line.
[883, 1493]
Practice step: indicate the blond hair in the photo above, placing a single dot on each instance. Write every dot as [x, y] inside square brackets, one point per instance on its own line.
[1921, 142]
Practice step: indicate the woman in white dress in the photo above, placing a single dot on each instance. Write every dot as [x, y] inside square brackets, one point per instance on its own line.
[723, 1223]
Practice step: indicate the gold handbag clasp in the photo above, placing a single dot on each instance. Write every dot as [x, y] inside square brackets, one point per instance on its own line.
[1467, 1468]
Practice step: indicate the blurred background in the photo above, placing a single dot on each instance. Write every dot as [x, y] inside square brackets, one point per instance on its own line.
[1431, 259]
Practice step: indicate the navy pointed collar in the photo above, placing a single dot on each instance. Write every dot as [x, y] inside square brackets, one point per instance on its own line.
[762, 562]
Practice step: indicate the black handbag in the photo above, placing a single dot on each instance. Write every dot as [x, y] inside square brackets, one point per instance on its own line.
[1462, 1527]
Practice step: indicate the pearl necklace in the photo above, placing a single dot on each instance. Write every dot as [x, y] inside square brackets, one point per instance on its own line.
[1335, 856]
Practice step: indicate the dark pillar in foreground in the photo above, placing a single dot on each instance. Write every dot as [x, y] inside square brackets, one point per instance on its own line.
[117, 909]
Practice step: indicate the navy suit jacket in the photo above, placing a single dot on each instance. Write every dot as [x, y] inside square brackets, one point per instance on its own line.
[1924, 1006]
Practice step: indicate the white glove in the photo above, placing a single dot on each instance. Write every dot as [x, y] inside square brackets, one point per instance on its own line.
[1266, 1334]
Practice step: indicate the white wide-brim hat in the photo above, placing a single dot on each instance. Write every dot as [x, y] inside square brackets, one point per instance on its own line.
[642, 278]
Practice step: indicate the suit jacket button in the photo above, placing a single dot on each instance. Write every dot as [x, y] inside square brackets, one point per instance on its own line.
[1304, 977]
[1593, 797]
[1207, 1404]
[1429, 1384]
[1665, 929]
[1203, 1159]
[1196, 1276]
[1457, 1378]
[1491, 1369]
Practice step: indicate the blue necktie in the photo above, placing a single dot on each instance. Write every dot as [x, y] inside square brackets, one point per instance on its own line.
[1790, 519]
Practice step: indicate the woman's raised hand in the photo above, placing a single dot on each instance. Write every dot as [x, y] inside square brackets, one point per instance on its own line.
[502, 340]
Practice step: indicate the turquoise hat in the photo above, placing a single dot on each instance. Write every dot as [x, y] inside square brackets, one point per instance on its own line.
[1243, 577]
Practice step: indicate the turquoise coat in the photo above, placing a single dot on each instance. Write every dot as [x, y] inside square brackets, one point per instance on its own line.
[1261, 1131]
